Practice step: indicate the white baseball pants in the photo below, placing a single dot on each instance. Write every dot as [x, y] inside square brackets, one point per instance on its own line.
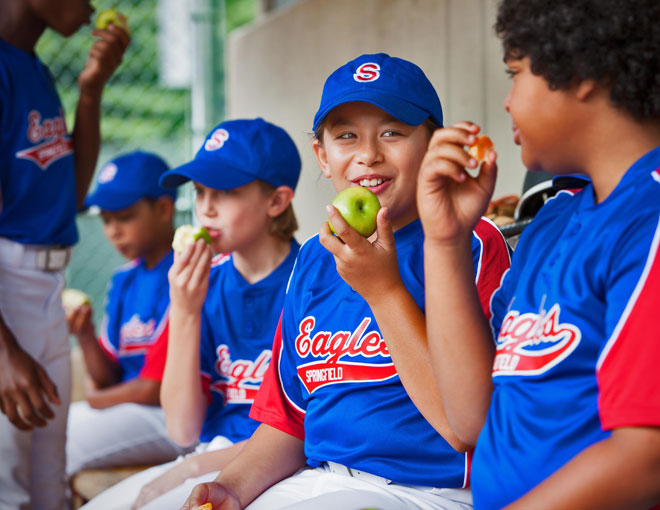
[32, 463]
[332, 486]
[122, 435]
[123, 495]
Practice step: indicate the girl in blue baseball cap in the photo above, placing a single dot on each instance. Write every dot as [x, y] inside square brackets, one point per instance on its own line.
[341, 426]
[224, 309]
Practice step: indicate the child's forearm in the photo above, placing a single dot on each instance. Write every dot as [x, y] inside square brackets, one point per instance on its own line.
[182, 398]
[460, 342]
[104, 371]
[207, 462]
[619, 472]
[86, 139]
[137, 391]
[268, 457]
[403, 327]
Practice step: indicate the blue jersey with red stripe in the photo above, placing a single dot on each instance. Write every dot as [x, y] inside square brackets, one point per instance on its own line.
[136, 312]
[332, 382]
[37, 174]
[578, 349]
[238, 323]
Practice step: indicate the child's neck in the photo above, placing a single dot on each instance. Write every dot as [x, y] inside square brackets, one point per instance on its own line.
[616, 145]
[153, 257]
[261, 258]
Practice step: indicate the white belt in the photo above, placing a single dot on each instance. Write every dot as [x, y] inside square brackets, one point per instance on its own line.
[44, 258]
[340, 469]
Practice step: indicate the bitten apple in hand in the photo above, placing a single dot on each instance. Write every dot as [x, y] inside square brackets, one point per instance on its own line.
[187, 234]
[359, 207]
[73, 299]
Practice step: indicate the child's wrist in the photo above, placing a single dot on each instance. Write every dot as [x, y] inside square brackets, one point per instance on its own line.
[387, 295]
[185, 308]
[447, 244]
[190, 467]
[90, 94]
[86, 336]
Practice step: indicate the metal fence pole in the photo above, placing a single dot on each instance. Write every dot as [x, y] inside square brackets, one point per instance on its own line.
[207, 87]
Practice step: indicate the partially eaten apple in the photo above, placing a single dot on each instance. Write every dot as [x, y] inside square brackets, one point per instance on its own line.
[72, 299]
[187, 234]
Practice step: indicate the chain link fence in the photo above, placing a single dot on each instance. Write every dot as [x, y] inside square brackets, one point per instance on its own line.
[146, 104]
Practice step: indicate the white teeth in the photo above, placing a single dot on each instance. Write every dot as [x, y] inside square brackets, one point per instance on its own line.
[370, 182]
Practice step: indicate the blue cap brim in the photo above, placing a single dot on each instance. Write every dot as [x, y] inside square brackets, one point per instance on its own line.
[212, 174]
[109, 201]
[397, 107]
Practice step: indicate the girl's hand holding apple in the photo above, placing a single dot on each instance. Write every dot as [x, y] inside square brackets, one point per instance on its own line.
[189, 277]
[450, 201]
[369, 266]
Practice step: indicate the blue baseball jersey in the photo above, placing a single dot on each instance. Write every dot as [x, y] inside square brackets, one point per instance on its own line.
[578, 349]
[135, 320]
[332, 381]
[37, 174]
[238, 325]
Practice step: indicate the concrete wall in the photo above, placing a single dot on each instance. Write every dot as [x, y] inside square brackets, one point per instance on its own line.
[276, 69]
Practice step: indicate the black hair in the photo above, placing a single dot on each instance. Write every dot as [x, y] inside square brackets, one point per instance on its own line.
[616, 43]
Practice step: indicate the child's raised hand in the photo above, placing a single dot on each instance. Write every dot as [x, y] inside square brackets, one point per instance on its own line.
[370, 268]
[104, 57]
[450, 201]
[189, 276]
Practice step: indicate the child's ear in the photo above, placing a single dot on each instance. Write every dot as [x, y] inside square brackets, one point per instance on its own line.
[165, 208]
[585, 89]
[321, 156]
[279, 200]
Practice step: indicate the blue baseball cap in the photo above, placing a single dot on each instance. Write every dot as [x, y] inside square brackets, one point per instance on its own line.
[395, 85]
[127, 179]
[237, 152]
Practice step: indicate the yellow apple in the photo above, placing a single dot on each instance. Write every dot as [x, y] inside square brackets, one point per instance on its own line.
[113, 16]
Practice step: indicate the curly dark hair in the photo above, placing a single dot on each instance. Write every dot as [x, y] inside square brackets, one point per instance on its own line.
[613, 42]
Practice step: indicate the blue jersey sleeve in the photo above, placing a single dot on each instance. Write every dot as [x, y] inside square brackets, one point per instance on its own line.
[110, 326]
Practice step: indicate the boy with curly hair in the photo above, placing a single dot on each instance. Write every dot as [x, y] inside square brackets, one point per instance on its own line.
[565, 402]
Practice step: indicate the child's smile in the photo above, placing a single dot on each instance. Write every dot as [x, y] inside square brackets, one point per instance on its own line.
[363, 145]
[375, 183]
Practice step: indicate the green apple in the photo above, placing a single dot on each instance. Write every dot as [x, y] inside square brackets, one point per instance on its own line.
[73, 299]
[113, 16]
[359, 207]
[187, 234]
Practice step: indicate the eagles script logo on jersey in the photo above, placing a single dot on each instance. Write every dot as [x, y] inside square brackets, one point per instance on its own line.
[57, 142]
[241, 378]
[332, 348]
[532, 343]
